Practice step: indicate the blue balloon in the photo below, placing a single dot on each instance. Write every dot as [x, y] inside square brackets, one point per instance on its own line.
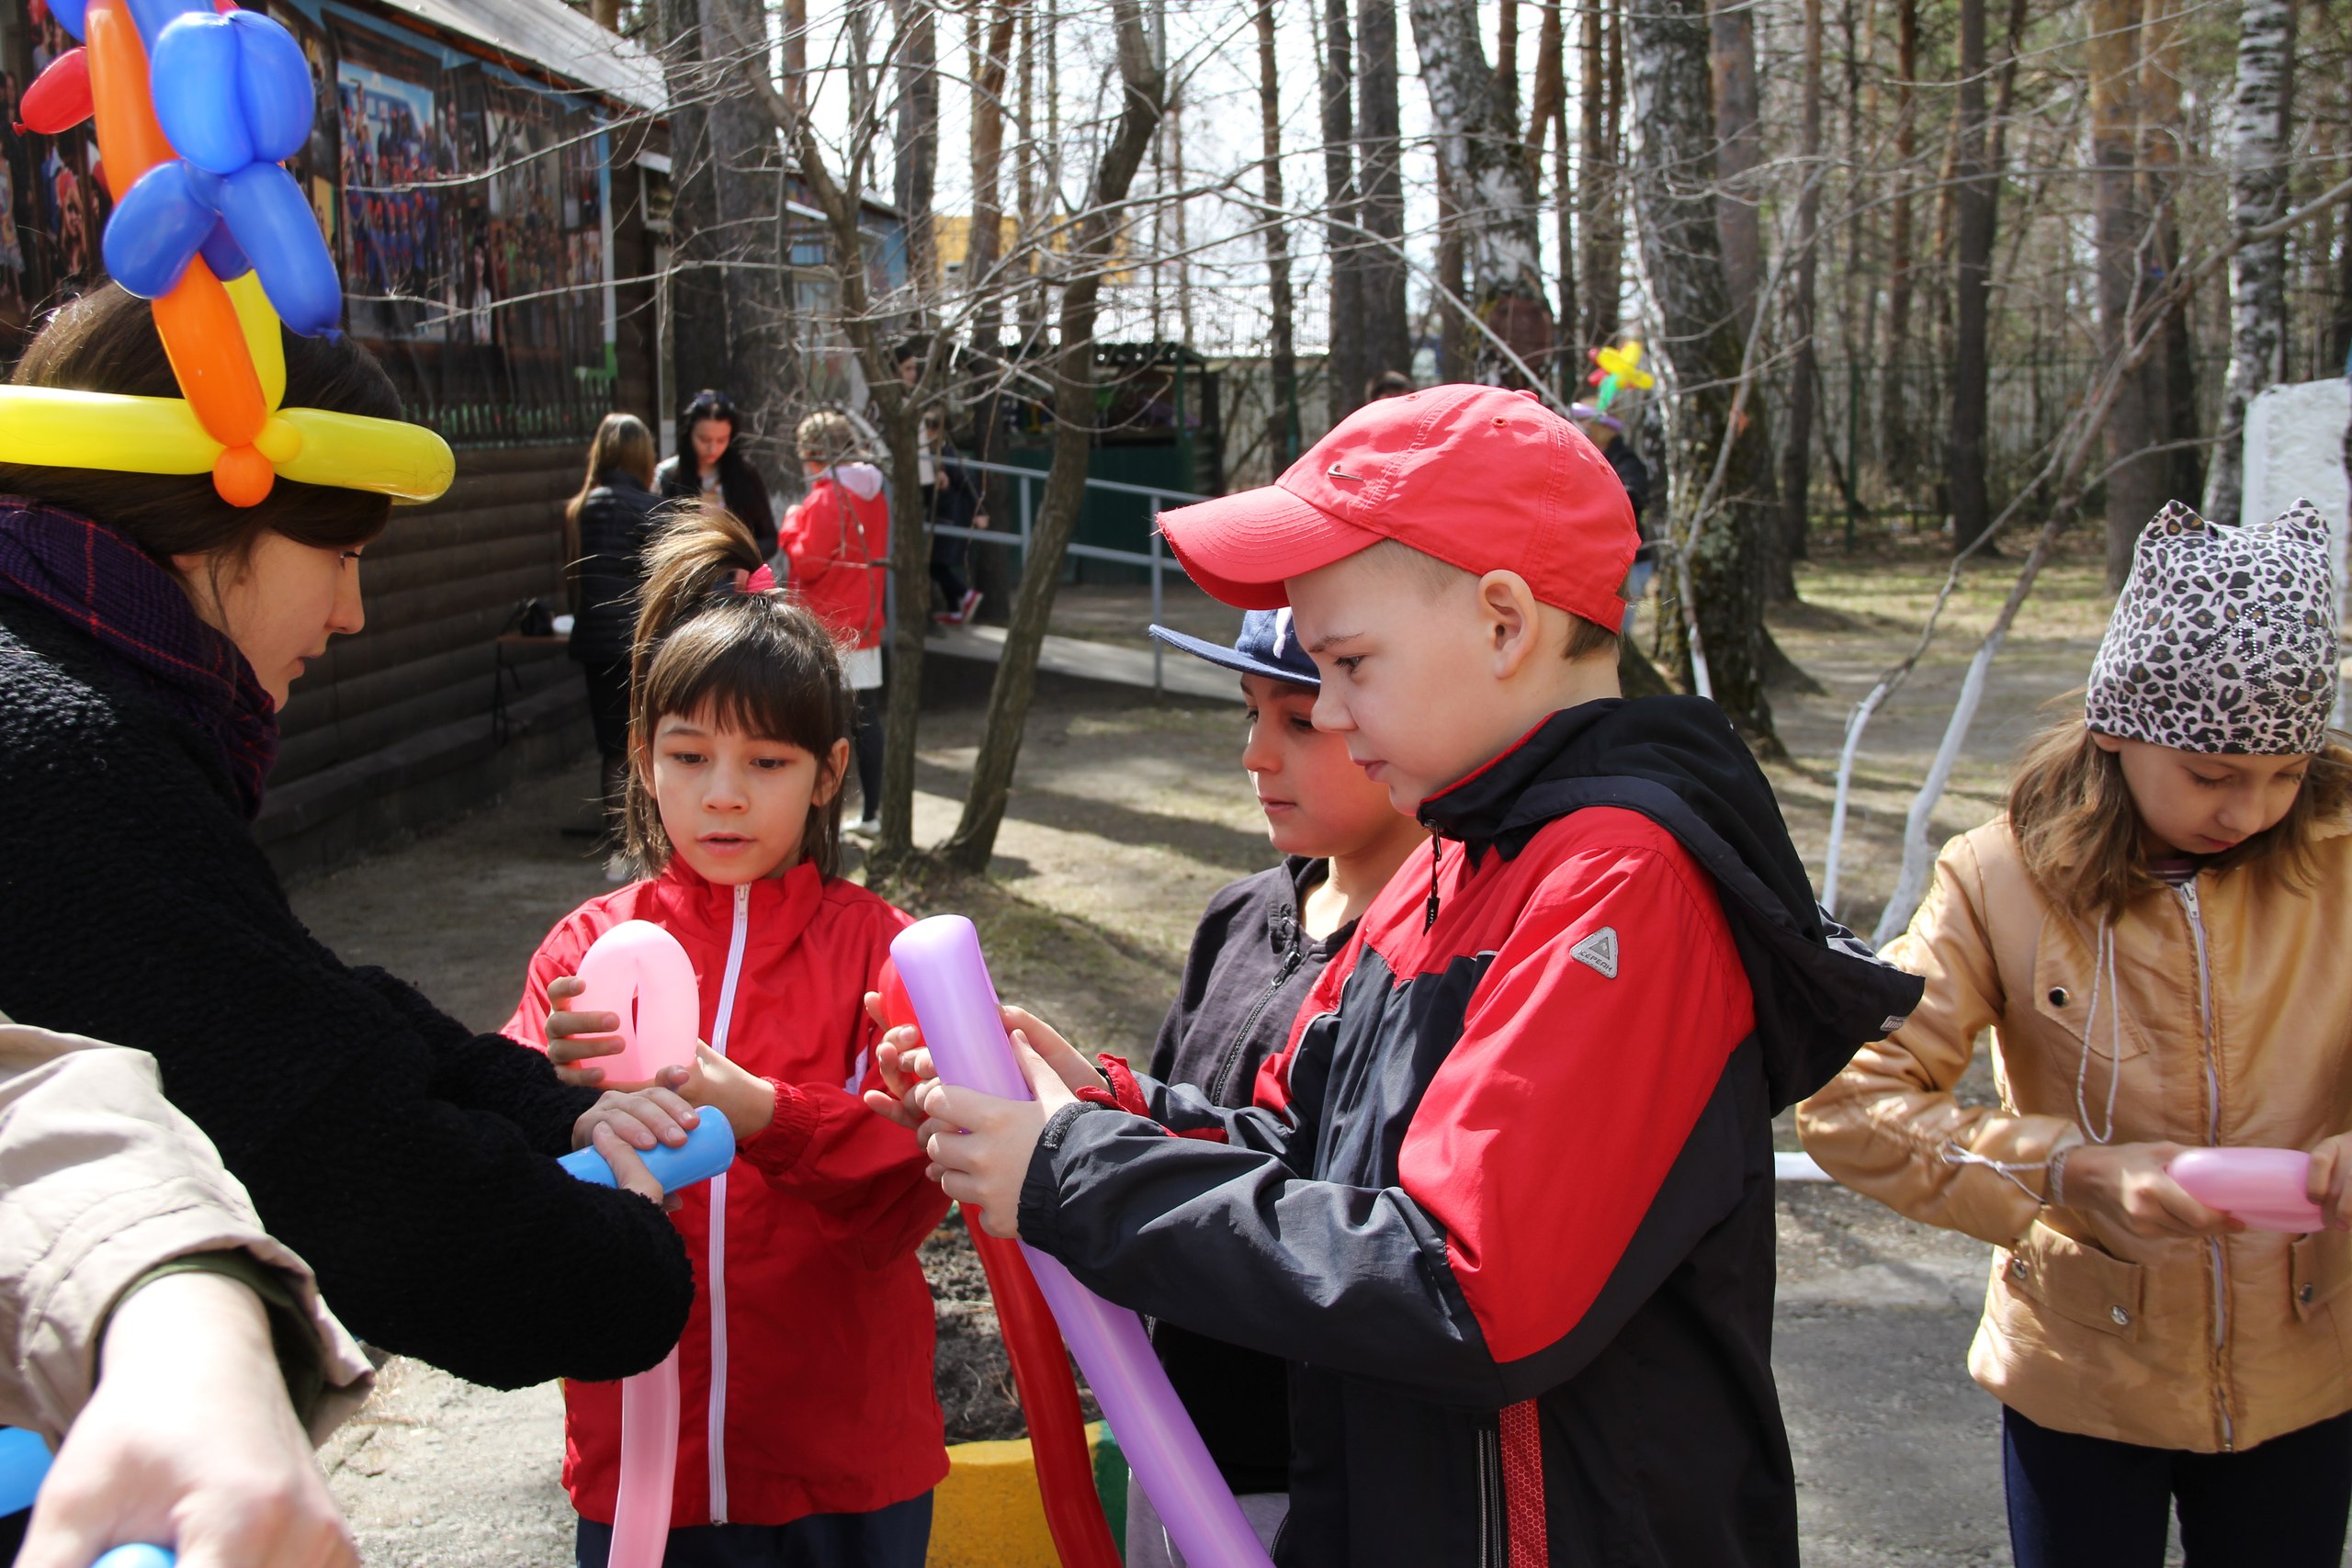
[155, 229]
[192, 76]
[224, 255]
[70, 14]
[275, 225]
[153, 16]
[273, 86]
[136, 1557]
[24, 1461]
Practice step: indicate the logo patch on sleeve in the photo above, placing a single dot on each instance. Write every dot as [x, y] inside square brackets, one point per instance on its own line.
[1598, 952]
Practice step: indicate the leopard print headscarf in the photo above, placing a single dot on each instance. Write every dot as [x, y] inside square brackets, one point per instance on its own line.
[2224, 640]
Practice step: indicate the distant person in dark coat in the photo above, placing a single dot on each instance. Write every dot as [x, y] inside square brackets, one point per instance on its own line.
[1607, 432]
[708, 462]
[605, 529]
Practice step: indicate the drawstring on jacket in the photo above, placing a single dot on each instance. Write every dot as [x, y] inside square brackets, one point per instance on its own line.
[2102, 971]
[1430, 918]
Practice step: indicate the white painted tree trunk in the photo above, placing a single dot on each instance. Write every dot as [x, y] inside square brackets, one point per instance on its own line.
[1477, 142]
[2258, 171]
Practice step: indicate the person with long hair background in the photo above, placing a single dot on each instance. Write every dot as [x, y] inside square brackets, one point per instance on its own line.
[606, 527]
[710, 462]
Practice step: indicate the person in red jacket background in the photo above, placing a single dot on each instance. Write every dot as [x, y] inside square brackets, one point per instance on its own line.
[808, 1428]
[838, 541]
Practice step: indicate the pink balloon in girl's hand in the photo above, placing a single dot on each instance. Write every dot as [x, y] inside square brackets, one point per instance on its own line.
[637, 972]
[2266, 1188]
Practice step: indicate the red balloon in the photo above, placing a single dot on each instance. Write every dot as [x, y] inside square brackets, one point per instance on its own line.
[898, 1007]
[59, 99]
[1048, 1402]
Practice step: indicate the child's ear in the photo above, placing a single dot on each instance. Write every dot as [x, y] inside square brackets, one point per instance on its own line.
[832, 770]
[1514, 621]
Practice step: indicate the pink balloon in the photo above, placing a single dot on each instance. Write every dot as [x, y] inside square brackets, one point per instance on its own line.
[637, 972]
[939, 962]
[2265, 1188]
[649, 1466]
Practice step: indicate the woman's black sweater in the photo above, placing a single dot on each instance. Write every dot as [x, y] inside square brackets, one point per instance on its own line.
[409, 1160]
[617, 522]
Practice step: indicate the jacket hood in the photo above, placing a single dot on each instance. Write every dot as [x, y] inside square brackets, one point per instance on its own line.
[1820, 992]
[863, 481]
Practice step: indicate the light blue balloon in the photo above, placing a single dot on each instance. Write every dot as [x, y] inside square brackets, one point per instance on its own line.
[224, 255]
[273, 86]
[70, 14]
[275, 226]
[153, 16]
[192, 76]
[155, 229]
[136, 1557]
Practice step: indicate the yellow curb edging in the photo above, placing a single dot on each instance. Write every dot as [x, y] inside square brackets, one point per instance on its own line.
[987, 1513]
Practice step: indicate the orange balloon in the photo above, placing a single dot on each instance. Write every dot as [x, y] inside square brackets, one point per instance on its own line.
[242, 476]
[129, 141]
[207, 346]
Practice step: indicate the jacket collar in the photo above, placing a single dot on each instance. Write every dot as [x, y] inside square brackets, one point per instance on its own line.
[1481, 809]
[778, 908]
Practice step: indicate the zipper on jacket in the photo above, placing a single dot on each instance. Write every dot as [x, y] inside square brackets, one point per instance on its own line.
[1241, 1036]
[718, 1437]
[1494, 1550]
[2214, 1251]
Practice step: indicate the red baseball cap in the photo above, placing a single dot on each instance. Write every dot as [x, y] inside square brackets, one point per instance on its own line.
[1482, 479]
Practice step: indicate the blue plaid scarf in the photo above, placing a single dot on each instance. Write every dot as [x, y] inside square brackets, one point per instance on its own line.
[99, 582]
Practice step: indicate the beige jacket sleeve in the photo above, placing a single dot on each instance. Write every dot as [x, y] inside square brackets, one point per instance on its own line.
[1890, 1125]
[102, 1179]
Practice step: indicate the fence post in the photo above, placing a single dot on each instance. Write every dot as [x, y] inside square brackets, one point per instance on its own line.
[1158, 648]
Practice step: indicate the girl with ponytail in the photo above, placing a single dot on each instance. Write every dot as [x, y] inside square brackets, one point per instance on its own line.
[809, 1429]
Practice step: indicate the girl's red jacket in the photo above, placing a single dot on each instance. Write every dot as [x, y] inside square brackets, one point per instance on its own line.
[837, 540]
[810, 1299]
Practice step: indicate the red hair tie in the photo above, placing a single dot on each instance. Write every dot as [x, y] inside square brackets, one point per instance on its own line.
[761, 581]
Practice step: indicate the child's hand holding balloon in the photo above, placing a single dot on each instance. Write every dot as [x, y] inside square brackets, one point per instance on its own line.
[717, 1083]
[574, 1038]
[2330, 1184]
[980, 1145]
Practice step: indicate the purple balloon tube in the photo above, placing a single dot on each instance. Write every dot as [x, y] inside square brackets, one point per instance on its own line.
[939, 963]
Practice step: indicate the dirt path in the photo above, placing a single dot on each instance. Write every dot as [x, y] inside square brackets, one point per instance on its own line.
[1127, 814]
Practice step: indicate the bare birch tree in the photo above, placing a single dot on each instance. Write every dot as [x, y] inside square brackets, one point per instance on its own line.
[2258, 175]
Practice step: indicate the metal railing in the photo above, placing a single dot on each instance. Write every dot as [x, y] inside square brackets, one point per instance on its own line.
[1156, 560]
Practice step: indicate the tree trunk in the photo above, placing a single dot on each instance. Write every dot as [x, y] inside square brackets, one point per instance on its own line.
[1092, 252]
[1596, 318]
[1796, 453]
[1701, 349]
[1547, 106]
[899, 407]
[1343, 364]
[917, 146]
[1453, 351]
[697, 297]
[1971, 278]
[1894, 431]
[1282, 353]
[2135, 479]
[1387, 330]
[1493, 191]
[2172, 370]
[1732, 59]
[981, 254]
[2258, 175]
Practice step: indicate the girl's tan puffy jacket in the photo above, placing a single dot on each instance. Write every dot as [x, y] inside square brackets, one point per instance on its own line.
[2235, 1028]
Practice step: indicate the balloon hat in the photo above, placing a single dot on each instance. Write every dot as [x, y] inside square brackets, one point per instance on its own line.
[1615, 369]
[195, 107]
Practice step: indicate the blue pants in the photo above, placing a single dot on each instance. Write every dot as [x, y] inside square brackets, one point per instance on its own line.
[2078, 1502]
[895, 1537]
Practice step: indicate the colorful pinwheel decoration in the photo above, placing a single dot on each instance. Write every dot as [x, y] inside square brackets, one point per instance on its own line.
[196, 103]
[1614, 370]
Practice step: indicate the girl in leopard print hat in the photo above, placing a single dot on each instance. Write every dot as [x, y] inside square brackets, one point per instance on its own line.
[2151, 937]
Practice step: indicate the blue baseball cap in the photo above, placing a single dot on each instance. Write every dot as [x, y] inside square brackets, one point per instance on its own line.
[1268, 646]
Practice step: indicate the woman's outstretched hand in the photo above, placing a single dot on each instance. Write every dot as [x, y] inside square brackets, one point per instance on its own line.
[189, 1442]
[577, 1037]
[2128, 1187]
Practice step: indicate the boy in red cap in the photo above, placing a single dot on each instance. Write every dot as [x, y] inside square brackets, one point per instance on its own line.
[1506, 1204]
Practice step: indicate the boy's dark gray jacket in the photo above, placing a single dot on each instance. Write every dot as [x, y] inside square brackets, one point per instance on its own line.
[1251, 966]
[1507, 1206]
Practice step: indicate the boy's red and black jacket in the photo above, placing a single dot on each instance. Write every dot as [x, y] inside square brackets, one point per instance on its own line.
[1505, 1205]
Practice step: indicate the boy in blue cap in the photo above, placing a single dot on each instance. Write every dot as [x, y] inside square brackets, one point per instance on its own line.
[1258, 950]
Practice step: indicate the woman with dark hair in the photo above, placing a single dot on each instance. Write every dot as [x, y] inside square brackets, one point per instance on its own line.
[606, 527]
[708, 462]
[149, 632]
